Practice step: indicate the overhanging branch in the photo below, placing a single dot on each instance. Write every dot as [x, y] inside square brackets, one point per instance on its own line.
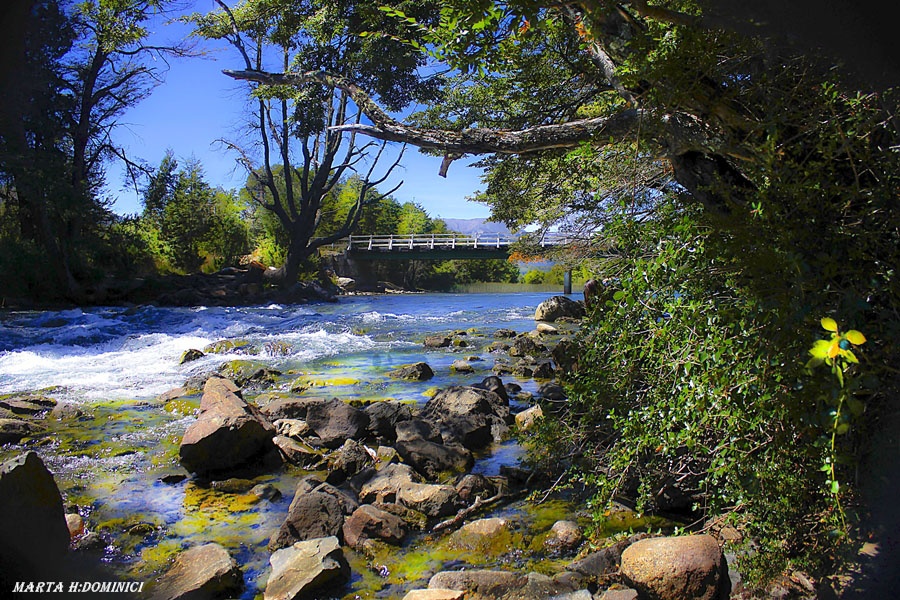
[467, 141]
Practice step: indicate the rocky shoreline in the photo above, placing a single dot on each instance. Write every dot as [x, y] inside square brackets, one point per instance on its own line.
[381, 474]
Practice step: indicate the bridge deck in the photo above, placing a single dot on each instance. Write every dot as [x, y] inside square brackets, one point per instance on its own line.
[439, 246]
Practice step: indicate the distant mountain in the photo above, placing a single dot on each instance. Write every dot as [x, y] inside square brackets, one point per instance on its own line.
[471, 226]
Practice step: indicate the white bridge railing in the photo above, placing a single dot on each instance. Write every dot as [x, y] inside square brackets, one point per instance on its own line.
[445, 241]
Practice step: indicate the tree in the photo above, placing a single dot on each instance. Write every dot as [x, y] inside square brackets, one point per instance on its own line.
[295, 127]
[786, 211]
[82, 66]
[194, 223]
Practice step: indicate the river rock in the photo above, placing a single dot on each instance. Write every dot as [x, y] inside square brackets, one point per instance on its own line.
[419, 371]
[34, 536]
[552, 391]
[434, 500]
[565, 536]
[335, 421]
[435, 594]
[431, 459]
[65, 411]
[494, 384]
[525, 345]
[75, 525]
[384, 486]
[292, 428]
[673, 568]
[479, 529]
[437, 341]
[546, 329]
[462, 366]
[312, 514]
[480, 583]
[298, 453]
[620, 594]
[346, 499]
[347, 461]
[527, 418]
[368, 522]
[473, 485]
[384, 417]
[347, 284]
[206, 571]
[190, 356]
[27, 404]
[301, 570]
[473, 416]
[228, 432]
[466, 400]
[290, 408]
[417, 429]
[605, 561]
[13, 430]
[558, 307]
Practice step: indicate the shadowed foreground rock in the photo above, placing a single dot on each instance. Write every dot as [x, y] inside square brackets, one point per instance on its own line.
[206, 572]
[300, 570]
[674, 568]
[34, 536]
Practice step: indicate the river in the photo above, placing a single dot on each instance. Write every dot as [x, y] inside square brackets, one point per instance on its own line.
[113, 363]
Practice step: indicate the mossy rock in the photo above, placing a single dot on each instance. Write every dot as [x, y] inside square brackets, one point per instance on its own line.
[231, 347]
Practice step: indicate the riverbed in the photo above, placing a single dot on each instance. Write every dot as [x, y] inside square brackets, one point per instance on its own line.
[117, 464]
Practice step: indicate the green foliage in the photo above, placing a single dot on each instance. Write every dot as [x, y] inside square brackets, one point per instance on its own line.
[534, 276]
[689, 383]
[188, 223]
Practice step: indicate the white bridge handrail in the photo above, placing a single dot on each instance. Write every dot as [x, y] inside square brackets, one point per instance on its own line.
[445, 241]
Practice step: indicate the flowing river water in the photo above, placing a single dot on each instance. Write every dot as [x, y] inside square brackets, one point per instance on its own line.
[112, 463]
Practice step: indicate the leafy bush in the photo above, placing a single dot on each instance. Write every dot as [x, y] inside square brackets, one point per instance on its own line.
[690, 393]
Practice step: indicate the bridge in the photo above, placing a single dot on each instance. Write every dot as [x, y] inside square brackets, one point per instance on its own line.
[441, 246]
[446, 246]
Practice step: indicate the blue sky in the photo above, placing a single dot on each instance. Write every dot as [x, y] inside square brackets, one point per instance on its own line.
[197, 105]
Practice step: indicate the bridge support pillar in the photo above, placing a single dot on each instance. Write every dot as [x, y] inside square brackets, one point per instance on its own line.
[567, 282]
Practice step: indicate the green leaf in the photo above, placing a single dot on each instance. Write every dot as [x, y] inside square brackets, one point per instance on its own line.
[855, 337]
[842, 428]
[820, 349]
[829, 324]
[835, 487]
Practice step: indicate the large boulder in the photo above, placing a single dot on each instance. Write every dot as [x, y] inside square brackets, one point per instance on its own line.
[368, 522]
[33, 532]
[312, 514]
[206, 571]
[228, 433]
[558, 307]
[335, 421]
[300, 571]
[466, 400]
[673, 568]
[473, 416]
